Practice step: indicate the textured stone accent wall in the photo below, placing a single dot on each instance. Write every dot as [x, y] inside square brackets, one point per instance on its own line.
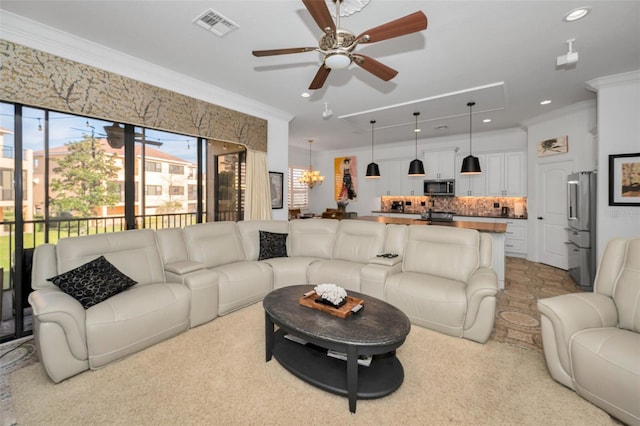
[35, 78]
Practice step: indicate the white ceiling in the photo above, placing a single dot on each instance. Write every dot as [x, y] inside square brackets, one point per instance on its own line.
[500, 54]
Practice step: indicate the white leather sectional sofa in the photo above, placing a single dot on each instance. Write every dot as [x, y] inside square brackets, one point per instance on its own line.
[442, 279]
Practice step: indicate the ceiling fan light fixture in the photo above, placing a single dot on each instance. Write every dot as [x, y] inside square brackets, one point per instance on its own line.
[337, 61]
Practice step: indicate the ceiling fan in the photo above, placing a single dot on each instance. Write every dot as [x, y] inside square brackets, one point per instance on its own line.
[337, 44]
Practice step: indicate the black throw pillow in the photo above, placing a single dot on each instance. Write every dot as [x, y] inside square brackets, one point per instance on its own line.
[272, 244]
[93, 282]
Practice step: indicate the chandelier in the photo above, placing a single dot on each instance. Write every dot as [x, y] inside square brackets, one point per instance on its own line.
[311, 177]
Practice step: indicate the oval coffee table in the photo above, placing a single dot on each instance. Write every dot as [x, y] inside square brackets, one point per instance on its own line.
[377, 330]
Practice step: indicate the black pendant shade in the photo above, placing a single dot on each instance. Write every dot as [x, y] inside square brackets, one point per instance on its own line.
[470, 164]
[416, 168]
[373, 171]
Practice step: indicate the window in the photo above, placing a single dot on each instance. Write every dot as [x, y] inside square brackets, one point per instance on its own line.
[176, 190]
[175, 169]
[193, 192]
[6, 184]
[152, 166]
[298, 192]
[153, 190]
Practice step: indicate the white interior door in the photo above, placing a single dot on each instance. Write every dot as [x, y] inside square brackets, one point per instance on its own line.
[552, 214]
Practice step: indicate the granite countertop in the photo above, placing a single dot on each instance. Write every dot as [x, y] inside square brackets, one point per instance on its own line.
[511, 216]
[499, 228]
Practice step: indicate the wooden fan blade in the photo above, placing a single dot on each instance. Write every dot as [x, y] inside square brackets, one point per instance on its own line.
[282, 51]
[402, 26]
[376, 68]
[320, 78]
[320, 13]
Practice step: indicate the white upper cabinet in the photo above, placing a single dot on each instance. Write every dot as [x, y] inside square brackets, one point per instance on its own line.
[470, 185]
[506, 174]
[439, 165]
[389, 181]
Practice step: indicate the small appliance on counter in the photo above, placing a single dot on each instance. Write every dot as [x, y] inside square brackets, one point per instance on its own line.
[518, 210]
[397, 206]
[437, 216]
[505, 211]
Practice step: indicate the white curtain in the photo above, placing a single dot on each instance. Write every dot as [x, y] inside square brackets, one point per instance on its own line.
[257, 205]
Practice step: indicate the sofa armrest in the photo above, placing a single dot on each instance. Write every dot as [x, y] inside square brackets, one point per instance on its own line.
[569, 313]
[385, 261]
[55, 306]
[203, 285]
[482, 283]
[374, 276]
[183, 267]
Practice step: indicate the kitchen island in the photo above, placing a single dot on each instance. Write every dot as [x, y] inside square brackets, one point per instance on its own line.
[495, 230]
[478, 226]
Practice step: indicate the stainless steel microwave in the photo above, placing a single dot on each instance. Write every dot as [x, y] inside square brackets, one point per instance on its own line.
[445, 187]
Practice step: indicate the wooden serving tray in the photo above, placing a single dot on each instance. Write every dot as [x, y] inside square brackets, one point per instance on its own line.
[341, 312]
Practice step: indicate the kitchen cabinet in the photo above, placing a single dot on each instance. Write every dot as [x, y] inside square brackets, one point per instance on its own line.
[515, 242]
[470, 185]
[439, 165]
[394, 179]
[506, 174]
[389, 181]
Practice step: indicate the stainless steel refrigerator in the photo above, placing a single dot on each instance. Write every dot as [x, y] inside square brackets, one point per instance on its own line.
[581, 215]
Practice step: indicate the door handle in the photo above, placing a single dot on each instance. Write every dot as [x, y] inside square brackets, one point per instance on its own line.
[540, 218]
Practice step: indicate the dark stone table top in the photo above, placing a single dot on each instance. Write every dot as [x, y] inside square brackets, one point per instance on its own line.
[378, 324]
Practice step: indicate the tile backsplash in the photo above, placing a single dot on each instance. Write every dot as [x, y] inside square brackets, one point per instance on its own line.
[463, 206]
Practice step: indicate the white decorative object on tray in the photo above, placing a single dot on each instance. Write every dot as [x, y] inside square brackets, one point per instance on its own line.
[331, 293]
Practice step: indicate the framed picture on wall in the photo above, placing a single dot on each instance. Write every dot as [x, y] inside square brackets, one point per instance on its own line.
[624, 180]
[553, 146]
[276, 182]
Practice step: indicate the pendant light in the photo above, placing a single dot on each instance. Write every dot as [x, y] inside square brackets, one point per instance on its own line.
[416, 168]
[311, 177]
[470, 164]
[373, 171]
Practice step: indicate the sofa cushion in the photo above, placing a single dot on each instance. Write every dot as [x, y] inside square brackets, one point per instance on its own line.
[136, 319]
[272, 244]
[312, 237]
[358, 241]
[442, 251]
[250, 234]
[214, 243]
[135, 253]
[606, 370]
[93, 282]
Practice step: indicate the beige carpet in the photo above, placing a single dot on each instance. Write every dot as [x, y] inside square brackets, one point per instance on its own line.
[216, 374]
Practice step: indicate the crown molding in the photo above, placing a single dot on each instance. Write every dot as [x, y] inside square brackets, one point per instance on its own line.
[37, 36]
[613, 80]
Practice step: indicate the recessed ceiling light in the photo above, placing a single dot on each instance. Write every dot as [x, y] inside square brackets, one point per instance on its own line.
[545, 102]
[486, 120]
[417, 130]
[305, 94]
[576, 14]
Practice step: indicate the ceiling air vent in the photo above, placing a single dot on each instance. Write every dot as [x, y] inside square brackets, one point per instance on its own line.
[214, 22]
